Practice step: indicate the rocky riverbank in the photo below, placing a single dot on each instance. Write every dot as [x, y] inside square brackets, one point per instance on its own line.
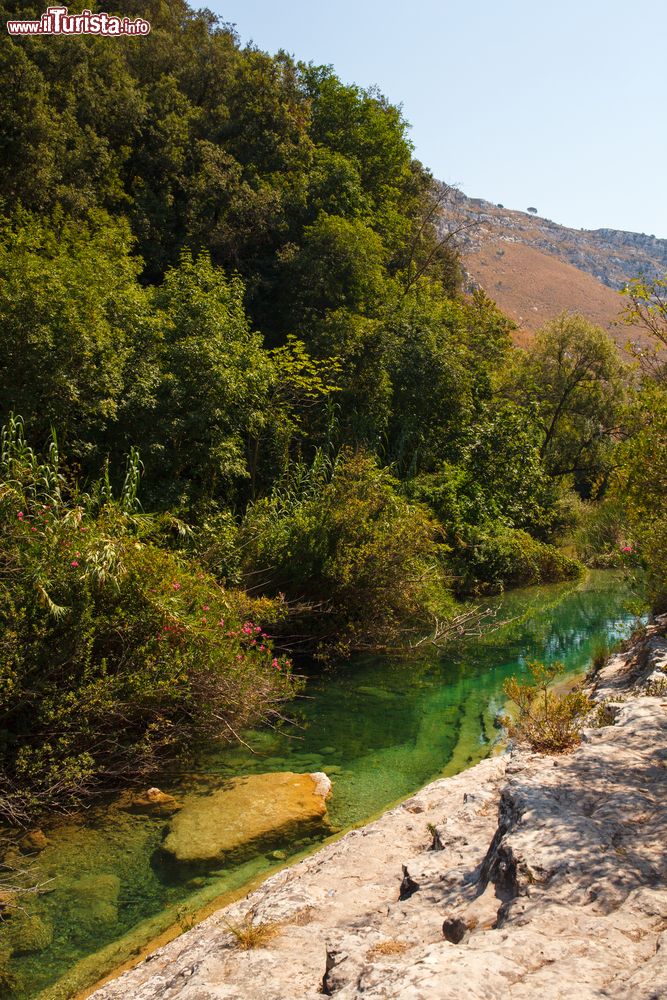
[524, 876]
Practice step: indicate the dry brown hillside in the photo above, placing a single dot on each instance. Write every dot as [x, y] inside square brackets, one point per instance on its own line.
[532, 287]
[535, 269]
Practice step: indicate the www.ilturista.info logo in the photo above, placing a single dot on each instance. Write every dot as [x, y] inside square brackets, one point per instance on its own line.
[58, 21]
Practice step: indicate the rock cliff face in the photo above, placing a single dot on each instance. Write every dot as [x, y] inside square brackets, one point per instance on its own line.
[526, 876]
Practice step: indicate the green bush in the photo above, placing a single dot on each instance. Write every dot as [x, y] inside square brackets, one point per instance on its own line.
[114, 652]
[355, 560]
[494, 557]
[641, 487]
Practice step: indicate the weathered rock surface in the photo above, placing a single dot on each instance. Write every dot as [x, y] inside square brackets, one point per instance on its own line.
[528, 877]
[247, 815]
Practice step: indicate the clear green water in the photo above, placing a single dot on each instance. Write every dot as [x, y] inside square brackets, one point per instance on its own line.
[381, 728]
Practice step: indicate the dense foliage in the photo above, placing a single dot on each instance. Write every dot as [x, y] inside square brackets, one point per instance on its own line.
[114, 652]
[232, 263]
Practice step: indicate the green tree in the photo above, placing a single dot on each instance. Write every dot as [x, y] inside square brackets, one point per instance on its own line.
[647, 307]
[573, 374]
[212, 401]
[640, 483]
[71, 311]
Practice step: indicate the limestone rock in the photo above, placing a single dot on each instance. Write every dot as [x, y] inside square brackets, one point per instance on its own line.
[246, 815]
[152, 802]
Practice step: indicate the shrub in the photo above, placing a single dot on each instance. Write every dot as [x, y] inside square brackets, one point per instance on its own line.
[494, 557]
[654, 547]
[247, 934]
[114, 652]
[546, 721]
[356, 561]
[600, 655]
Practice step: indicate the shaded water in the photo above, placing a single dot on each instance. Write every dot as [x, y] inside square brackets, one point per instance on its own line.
[381, 728]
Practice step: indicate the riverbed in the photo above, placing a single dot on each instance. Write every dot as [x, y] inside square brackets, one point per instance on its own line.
[379, 727]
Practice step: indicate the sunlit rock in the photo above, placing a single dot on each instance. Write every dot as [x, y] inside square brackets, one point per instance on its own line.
[152, 802]
[246, 815]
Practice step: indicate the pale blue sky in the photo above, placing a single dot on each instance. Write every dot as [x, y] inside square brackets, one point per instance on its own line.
[557, 104]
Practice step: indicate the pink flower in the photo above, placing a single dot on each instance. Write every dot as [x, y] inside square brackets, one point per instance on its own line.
[20, 515]
[221, 623]
[274, 663]
[176, 585]
[626, 548]
[204, 619]
[205, 608]
[33, 529]
[74, 563]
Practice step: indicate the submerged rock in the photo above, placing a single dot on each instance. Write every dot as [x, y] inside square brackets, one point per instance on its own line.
[246, 815]
[94, 900]
[33, 842]
[153, 802]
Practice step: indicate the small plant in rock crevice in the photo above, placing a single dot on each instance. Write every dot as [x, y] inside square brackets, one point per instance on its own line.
[247, 934]
[386, 948]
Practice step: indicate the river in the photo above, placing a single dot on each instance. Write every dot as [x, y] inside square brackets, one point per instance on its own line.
[380, 727]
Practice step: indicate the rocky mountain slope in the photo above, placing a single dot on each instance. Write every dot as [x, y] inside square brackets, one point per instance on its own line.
[526, 876]
[534, 268]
